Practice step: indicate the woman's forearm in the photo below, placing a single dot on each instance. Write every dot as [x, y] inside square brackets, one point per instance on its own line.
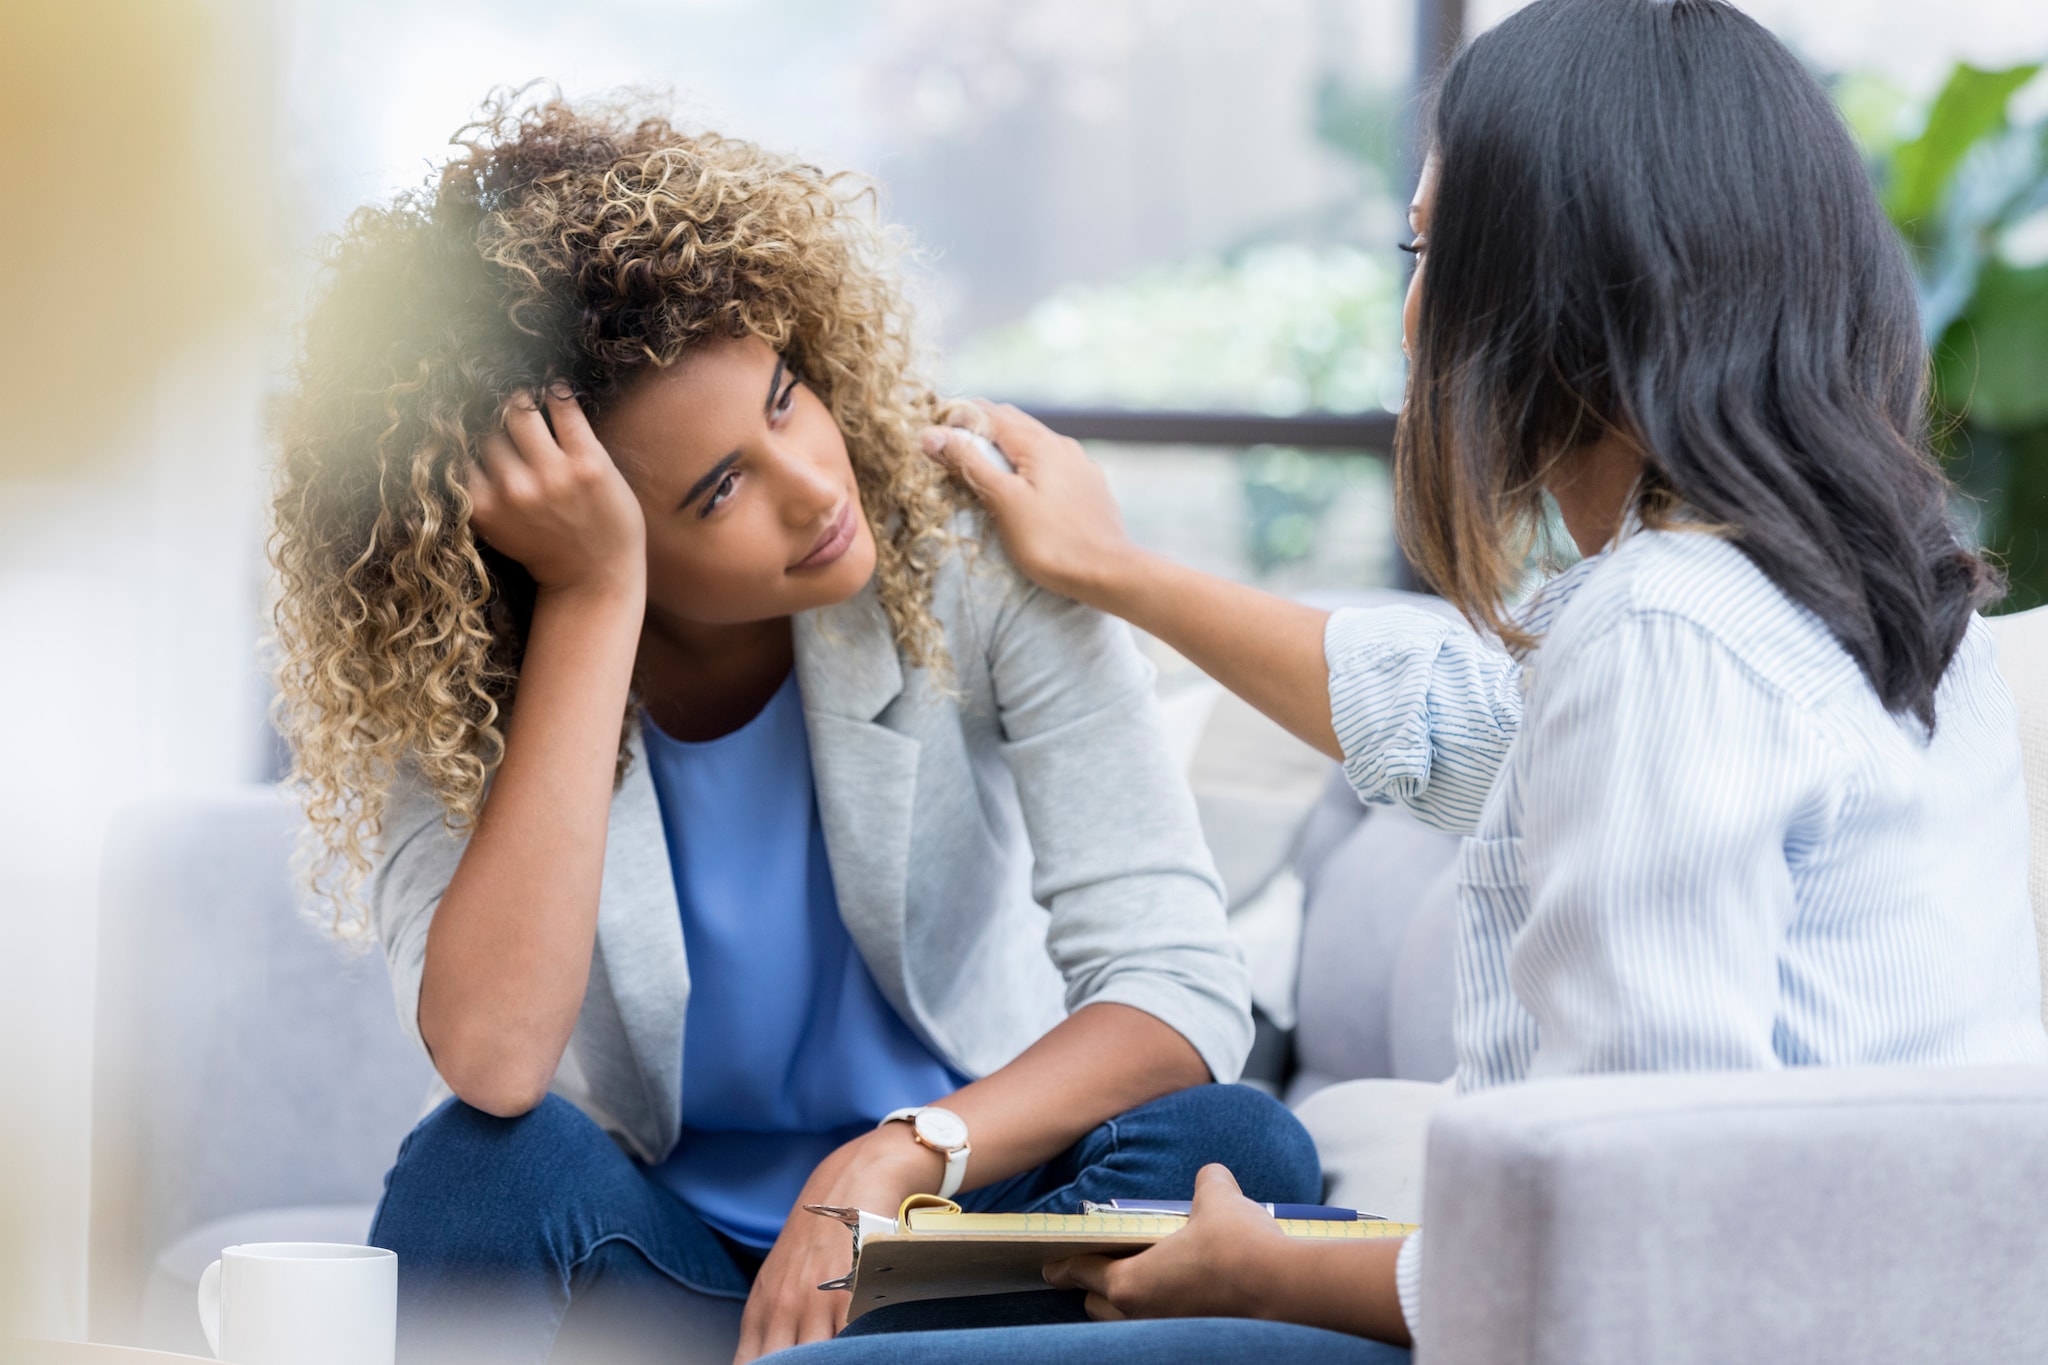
[1097, 1063]
[508, 952]
[1101, 1061]
[1342, 1287]
[1266, 649]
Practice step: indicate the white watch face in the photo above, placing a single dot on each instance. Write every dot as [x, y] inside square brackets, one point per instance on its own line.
[942, 1128]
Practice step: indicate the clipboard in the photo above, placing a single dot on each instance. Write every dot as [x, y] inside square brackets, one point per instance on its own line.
[933, 1249]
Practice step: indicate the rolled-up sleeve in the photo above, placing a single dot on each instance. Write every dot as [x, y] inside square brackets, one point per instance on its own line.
[1118, 855]
[1424, 711]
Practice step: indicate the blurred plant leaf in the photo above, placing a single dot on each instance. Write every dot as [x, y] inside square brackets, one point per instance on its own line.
[1963, 192]
[1991, 368]
[1969, 108]
[1874, 108]
[1998, 182]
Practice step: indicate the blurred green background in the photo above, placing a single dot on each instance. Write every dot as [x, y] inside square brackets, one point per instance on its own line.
[1965, 179]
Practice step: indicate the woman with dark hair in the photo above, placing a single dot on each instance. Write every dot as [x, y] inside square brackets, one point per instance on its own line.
[1744, 785]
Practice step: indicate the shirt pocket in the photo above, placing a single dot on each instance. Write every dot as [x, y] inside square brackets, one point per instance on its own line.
[1496, 1037]
[1493, 885]
[1491, 864]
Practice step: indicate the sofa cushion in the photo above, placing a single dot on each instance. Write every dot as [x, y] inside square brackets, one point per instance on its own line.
[1371, 1138]
[243, 1060]
[1357, 960]
[1254, 785]
[1422, 999]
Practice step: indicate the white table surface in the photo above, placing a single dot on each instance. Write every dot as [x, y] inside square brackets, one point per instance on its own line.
[24, 1352]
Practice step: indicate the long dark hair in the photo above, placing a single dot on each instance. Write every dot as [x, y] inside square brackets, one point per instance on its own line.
[1650, 219]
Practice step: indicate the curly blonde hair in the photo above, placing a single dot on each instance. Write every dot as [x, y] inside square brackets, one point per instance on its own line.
[585, 244]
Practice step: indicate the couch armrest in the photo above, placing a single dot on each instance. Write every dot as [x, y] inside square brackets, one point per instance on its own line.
[1855, 1215]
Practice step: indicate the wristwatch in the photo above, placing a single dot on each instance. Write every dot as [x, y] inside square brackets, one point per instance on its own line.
[945, 1132]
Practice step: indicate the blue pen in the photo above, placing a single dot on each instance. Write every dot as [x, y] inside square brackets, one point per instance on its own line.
[1313, 1213]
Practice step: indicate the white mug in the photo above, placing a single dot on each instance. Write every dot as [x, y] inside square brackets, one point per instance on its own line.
[301, 1303]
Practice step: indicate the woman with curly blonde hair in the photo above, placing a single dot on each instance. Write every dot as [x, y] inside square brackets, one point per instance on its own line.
[718, 801]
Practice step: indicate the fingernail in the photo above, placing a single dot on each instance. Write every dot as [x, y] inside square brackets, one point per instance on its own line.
[560, 389]
[934, 440]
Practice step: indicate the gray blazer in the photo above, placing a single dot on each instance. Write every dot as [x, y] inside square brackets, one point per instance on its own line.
[1005, 851]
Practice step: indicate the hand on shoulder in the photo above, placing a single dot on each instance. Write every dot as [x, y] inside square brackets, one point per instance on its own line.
[1053, 509]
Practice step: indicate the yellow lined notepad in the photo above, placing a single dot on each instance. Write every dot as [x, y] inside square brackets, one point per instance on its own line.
[935, 1251]
[925, 1221]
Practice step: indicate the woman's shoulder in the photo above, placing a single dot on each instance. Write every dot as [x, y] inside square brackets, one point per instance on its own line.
[973, 564]
[1978, 681]
[983, 606]
[996, 620]
[1698, 586]
[978, 593]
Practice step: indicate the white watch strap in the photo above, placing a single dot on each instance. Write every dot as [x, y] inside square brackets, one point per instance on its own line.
[956, 1172]
[956, 1160]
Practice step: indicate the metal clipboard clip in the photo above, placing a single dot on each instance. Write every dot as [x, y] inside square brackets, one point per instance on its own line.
[860, 1223]
[864, 1224]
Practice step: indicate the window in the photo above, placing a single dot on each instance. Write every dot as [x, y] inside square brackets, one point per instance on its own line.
[1156, 206]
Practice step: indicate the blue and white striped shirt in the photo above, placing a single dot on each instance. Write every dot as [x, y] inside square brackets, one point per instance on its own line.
[1698, 840]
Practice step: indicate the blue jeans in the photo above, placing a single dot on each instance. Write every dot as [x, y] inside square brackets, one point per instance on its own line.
[1164, 1341]
[512, 1231]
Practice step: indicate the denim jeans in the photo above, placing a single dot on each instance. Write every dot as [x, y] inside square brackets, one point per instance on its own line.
[510, 1231]
[1165, 1341]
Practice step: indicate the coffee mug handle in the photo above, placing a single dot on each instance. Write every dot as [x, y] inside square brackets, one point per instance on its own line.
[209, 1307]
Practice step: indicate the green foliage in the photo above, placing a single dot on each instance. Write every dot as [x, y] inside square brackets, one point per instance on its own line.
[1875, 109]
[1969, 108]
[1969, 192]
[1993, 365]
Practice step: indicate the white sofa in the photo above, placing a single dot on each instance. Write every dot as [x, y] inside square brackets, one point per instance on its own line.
[251, 1084]
[1860, 1216]
[250, 1080]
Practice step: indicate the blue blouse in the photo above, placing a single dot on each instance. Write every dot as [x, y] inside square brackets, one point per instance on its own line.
[789, 1049]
